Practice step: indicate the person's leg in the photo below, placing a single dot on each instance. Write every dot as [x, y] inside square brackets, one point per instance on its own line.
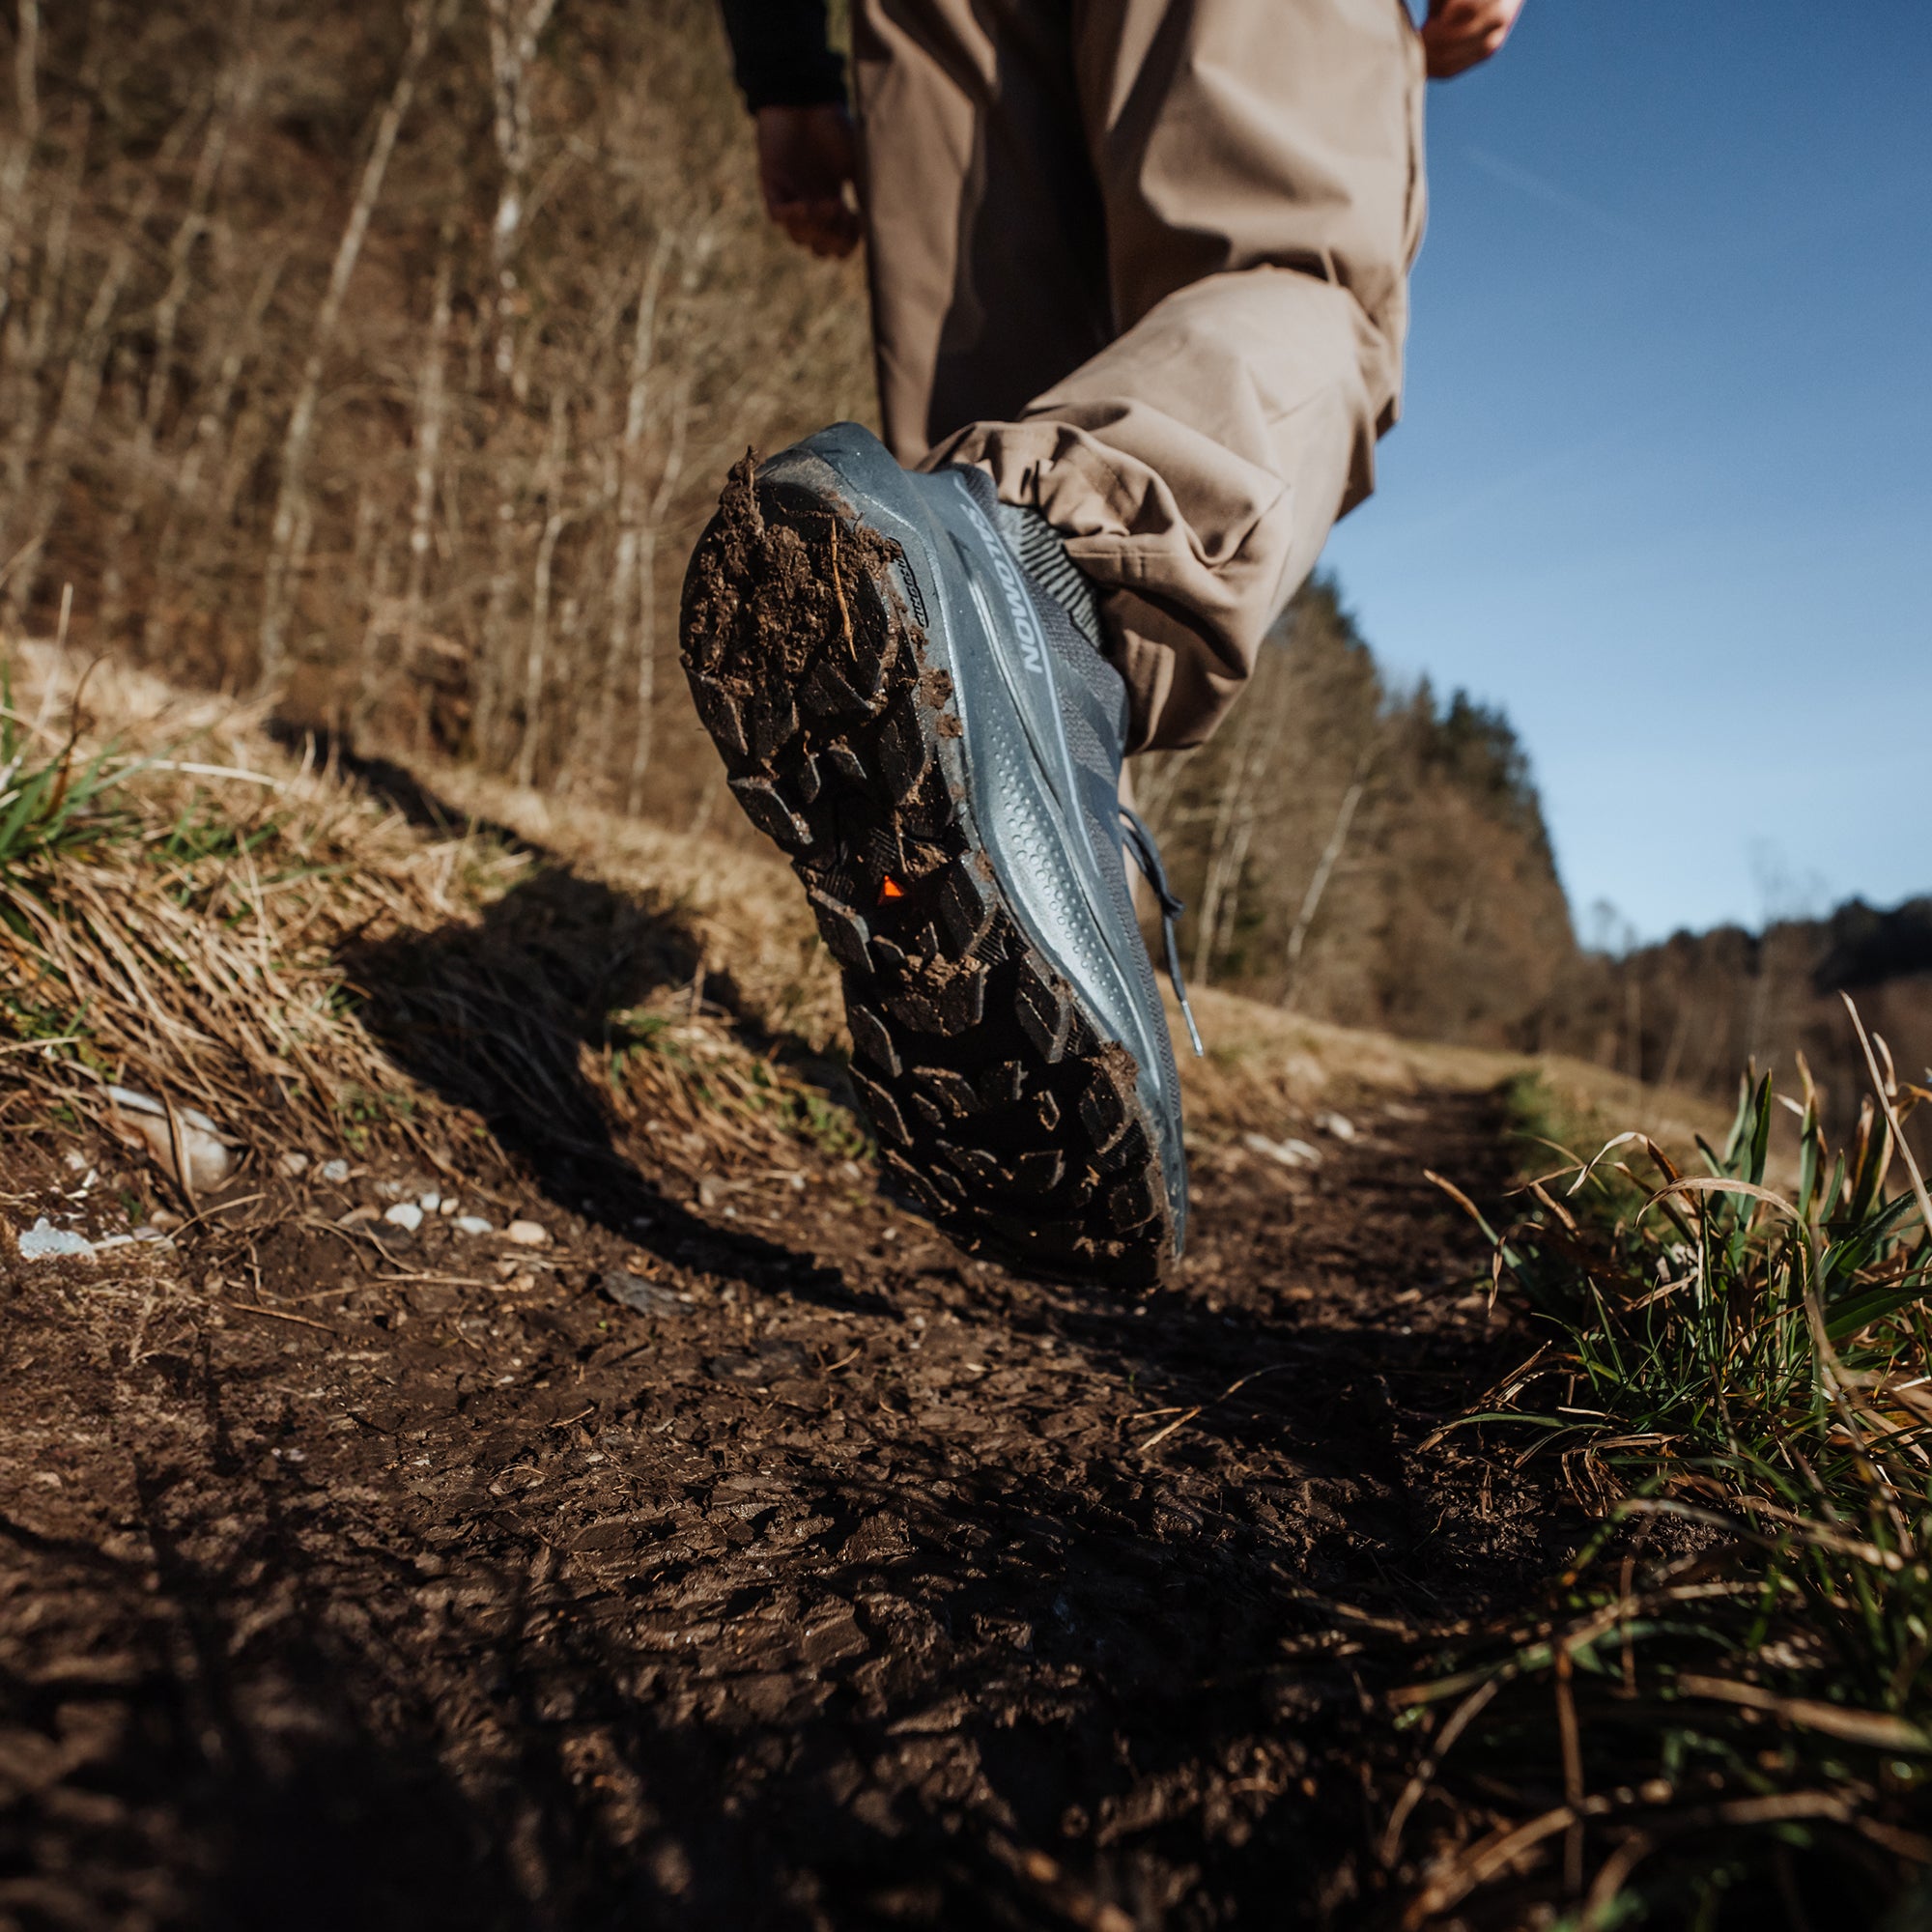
[1252, 183]
[985, 232]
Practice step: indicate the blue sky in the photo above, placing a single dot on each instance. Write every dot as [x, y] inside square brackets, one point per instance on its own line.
[1663, 485]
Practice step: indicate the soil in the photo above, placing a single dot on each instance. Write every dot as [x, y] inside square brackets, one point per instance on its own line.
[826, 1577]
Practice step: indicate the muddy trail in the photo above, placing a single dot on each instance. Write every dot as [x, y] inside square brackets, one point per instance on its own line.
[740, 1557]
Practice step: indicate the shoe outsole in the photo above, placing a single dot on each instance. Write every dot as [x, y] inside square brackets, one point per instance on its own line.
[999, 1106]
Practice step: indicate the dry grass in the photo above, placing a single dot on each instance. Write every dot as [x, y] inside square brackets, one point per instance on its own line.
[189, 949]
[1262, 1063]
[311, 955]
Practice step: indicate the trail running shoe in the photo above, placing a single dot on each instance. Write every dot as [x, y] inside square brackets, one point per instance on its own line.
[908, 710]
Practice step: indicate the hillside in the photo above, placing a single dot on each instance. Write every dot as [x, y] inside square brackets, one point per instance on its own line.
[1688, 1012]
[1362, 853]
[389, 361]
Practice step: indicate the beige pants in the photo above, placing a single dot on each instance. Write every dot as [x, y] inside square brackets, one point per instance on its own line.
[1147, 261]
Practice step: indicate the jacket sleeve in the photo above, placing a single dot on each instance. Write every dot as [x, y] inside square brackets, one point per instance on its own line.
[778, 53]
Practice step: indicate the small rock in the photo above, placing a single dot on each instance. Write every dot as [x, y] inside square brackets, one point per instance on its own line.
[335, 1172]
[1288, 1153]
[164, 1221]
[74, 1159]
[1339, 1126]
[292, 1165]
[633, 1290]
[203, 1152]
[405, 1214]
[473, 1224]
[448, 1205]
[45, 1242]
[430, 1204]
[527, 1233]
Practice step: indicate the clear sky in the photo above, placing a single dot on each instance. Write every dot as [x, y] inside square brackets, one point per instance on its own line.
[1663, 485]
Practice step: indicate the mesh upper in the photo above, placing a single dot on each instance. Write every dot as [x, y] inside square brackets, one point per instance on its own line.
[1092, 711]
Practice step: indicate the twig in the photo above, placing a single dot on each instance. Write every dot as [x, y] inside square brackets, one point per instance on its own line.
[1180, 1422]
[276, 1314]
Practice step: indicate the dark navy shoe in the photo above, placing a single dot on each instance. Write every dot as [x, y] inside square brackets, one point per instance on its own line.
[911, 712]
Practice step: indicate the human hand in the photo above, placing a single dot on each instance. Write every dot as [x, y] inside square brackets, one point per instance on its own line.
[806, 159]
[1460, 34]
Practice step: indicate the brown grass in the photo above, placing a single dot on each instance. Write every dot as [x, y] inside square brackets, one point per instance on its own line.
[308, 954]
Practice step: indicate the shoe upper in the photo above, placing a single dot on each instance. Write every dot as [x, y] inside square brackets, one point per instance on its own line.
[1075, 721]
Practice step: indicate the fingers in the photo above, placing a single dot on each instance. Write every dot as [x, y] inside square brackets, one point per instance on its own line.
[807, 164]
[1460, 34]
[828, 228]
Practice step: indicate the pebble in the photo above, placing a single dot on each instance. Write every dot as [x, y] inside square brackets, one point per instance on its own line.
[1288, 1152]
[45, 1242]
[473, 1224]
[292, 1165]
[405, 1214]
[1338, 1124]
[335, 1172]
[207, 1158]
[430, 1204]
[527, 1233]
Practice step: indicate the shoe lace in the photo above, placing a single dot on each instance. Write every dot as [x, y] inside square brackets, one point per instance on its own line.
[1147, 856]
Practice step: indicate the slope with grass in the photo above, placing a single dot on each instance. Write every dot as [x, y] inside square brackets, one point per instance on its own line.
[544, 1482]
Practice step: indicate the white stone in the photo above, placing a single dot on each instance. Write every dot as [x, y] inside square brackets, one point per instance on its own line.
[1338, 1124]
[45, 1242]
[473, 1224]
[1287, 1153]
[429, 1203]
[527, 1233]
[405, 1214]
[335, 1172]
[292, 1165]
[203, 1150]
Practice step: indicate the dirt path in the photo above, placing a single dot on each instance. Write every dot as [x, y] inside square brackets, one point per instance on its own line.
[361, 1587]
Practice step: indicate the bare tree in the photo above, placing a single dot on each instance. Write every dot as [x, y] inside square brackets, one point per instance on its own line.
[1324, 870]
[289, 499]
[515, 28]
